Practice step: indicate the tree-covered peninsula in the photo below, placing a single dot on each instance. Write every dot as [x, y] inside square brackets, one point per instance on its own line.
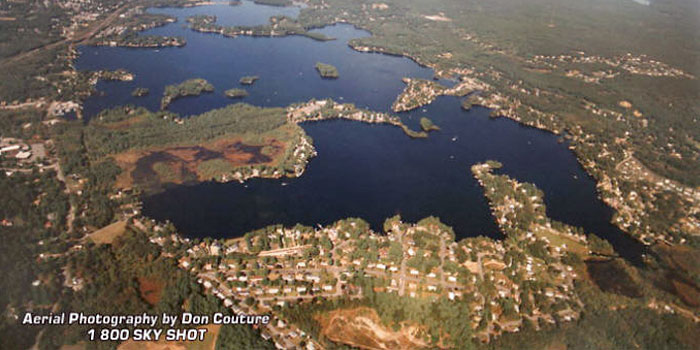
[231, 143]
[128, 31]
[279, 26]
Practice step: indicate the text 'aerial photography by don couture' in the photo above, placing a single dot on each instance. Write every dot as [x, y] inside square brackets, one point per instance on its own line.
[350, 174]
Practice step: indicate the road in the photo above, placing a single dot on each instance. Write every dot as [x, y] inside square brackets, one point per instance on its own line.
[33, 104]
[402, 273]
[442, 254]
[481, 267]
[84, 36]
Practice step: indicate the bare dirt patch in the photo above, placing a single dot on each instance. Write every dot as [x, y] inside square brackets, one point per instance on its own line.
[151, 289]
[362, 328]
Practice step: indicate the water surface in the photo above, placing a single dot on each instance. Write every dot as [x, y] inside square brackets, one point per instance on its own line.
[366, 171]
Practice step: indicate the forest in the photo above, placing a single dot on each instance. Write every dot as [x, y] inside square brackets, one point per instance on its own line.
[115, 276]
[33, 210]
[156, 129]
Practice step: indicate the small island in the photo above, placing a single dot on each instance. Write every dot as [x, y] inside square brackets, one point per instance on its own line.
[191, 87]
[140, 92]
[279, 3]
[236, 93]
[427, 125]
[326, 71]
[248, 80]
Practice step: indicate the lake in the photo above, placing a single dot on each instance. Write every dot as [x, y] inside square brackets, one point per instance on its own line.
[367, 171]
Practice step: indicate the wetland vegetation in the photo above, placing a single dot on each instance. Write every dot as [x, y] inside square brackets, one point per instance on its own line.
[231, 143]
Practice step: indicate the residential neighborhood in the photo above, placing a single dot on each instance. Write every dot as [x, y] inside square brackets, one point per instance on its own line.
[504, 283]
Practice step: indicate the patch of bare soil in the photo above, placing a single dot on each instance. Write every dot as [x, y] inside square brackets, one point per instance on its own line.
[362, 328]
[150, 289]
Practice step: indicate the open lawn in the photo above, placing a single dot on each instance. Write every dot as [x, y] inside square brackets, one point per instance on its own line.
[109, 233]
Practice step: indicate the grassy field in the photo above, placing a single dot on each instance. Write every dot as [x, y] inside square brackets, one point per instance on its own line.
[109, 233]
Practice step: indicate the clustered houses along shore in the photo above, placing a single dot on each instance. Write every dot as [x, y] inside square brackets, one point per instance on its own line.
[317, 110]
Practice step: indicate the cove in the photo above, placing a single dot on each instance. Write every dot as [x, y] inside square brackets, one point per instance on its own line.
[367, 171]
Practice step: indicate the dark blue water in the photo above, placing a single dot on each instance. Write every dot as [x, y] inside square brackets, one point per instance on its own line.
[285, 66]
[366, 171]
